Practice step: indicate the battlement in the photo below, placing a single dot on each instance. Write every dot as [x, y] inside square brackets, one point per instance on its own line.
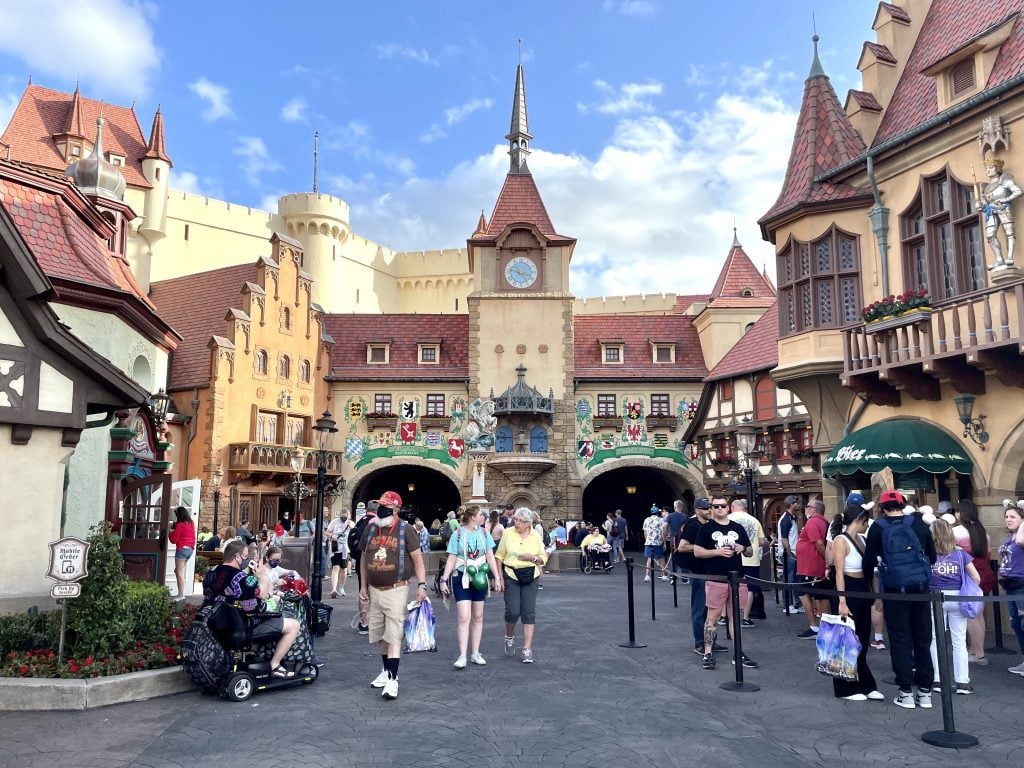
[314, 204]
[442, 262]
[638, 304]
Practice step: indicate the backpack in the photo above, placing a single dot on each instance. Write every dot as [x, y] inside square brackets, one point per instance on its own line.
[904, 563]
[355, 535]
[446, 532]
[614, 532]
[546, 537]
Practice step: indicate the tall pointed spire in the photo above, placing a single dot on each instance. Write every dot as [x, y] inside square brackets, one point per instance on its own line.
[73, 126]
[735, 238]
[481, 225]
[518, 134]
[156, 148]
[816, 69]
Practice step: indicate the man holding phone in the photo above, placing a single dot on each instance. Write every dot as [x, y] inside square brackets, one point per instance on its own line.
[720, 545]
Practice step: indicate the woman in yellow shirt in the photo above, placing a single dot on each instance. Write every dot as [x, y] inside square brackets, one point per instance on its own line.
[522, 557]
[596, 545]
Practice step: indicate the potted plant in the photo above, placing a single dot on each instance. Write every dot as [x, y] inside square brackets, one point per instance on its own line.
[897, 310]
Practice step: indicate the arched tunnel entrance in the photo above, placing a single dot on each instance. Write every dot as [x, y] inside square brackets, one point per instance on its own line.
[426, 493]
[633, 490]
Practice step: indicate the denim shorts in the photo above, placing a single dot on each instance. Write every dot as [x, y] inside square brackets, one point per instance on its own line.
[183, 553]
[466, 593]
[656, 552]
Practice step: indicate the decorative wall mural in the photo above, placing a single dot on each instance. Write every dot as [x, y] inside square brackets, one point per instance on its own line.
[634, 439]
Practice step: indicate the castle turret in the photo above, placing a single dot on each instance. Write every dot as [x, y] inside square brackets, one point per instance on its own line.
[156, 166]
[320, 223]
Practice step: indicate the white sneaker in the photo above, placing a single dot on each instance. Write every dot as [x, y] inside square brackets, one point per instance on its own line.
[923, 699]
[460, 663]
[1018, 670]
[390, 689]
[856, 697]
[510, 646]
[342, 592]
[905, 699]
[647, 577]
[527, 656]
[876, 696]
[663, 577]
[380, 680]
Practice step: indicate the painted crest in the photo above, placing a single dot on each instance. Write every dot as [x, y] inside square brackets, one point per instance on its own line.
[583, 408]
[407, 431]
[634, 411]
[433, 439]
[634, 432]
[409, 410]
[585, 449]
[354, 448]
[456, 447]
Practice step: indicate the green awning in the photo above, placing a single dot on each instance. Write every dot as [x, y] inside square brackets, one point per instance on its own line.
[903, 445]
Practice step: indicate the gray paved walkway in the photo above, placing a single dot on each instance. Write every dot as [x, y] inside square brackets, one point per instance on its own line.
[586, 702]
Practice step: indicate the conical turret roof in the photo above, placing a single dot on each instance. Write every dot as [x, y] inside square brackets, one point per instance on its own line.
[740, 283]
[156, 149]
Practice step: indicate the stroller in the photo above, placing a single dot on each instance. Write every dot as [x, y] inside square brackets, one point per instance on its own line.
[597, 557]
[219, 655]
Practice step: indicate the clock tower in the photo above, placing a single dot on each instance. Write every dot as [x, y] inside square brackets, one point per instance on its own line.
[520, 313]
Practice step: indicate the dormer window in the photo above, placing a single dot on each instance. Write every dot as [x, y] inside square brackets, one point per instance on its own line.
[612, 352]
[962, 78]
[115, 159]
[964, 71]
[75, 150]
[378, 353]
[429, 353]
[663, 352]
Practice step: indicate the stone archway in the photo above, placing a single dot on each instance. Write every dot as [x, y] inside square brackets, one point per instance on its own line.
[1006, 477]
[427, 488]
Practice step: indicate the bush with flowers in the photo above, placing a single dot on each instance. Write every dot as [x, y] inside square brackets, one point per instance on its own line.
[115, 626]
[891, 306]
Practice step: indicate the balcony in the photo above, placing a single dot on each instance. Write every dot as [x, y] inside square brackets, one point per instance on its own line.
[276, 459]
[521, 468]
[958, 344]
[608, 422]
[663, 421]
[435, 422]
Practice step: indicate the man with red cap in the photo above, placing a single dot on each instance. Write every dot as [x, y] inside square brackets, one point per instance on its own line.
[387, 546]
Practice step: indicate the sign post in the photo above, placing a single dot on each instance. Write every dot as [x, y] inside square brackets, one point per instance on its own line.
[69, 564]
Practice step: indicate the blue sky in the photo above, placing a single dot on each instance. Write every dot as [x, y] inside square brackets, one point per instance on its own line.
[656, 122]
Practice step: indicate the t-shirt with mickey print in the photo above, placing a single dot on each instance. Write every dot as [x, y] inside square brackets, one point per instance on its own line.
[714, 536]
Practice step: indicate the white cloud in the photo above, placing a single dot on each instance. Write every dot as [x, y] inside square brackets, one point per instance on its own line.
[398, 51]
[294, 111]
[58, 38]
[454, 115]
[629, 97]
[215, 96]
[637, 8]
[256, 160]
[643, 207]
[187, 181]
[8, 103]
[432, 134]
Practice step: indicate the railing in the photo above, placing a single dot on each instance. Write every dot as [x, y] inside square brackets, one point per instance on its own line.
[970, 332]
[266, 457]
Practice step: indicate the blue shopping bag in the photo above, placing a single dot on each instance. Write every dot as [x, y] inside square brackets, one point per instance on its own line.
[419, 629]
[838, 647]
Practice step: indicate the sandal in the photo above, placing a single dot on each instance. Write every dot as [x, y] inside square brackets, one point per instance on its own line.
[280, 671]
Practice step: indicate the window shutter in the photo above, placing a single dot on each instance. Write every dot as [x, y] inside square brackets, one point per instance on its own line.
[962, 77]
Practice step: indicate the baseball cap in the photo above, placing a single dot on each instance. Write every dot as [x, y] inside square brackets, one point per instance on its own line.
[890, 497]
[361, 505]
[391, 500]
[791, 499]
[944, 507]
[855, 497]
[702, 503]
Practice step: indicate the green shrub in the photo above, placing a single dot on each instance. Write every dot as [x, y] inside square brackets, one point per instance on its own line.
[202, 566]
[98, 621]
[148, 605]
[28, 631]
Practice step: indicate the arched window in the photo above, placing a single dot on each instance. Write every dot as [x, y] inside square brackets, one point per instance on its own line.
[286, 319]
[819, 283]
[261, 361]
[304, 371]
[503, 440]
[538, 440]
[284, 368]
[764, 399]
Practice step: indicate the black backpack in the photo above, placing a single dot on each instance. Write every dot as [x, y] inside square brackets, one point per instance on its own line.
[545, 536]
[355, 535]
[904, 563]
[614, 532]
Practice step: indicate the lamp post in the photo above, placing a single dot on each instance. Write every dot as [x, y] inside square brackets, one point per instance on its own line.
[218, 477]
[297, 460]
[746, 441]
[325, 426]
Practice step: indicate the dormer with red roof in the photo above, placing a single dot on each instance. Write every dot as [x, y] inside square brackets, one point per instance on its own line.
[741, 295]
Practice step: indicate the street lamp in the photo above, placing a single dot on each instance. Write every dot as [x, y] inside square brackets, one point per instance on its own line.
[158, 407]
[746, 441]
[297, 459]
[218, 477]
[325, 427]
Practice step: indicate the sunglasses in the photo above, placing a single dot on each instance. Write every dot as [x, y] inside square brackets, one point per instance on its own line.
[719, 506]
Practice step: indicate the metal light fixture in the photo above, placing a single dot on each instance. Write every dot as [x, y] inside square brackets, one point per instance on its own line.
[631, 490]
[974, 426]
[217, 477]
[746, 437]
[297, 459]
[325, 427]
[158, 406]
[411, 487]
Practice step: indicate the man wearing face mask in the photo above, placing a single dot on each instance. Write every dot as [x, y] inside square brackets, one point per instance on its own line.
[275, 572]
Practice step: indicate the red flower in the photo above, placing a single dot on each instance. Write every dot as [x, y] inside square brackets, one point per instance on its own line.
[88, 661]
[24, 669]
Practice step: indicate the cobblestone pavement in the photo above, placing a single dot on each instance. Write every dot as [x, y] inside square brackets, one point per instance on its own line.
[586, 702]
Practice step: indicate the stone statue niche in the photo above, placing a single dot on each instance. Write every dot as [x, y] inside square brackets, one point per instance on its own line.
[995, 201]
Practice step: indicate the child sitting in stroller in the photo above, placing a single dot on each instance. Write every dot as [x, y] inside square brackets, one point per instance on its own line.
[597, 549]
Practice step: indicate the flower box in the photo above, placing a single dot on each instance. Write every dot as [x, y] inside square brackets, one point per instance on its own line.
[910, 317]
[435, 422]
[608, 422]
[663, 421]
[382, 422]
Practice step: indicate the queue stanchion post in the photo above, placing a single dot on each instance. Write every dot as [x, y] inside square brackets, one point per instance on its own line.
[737, 653]
[675, 591]
[774, 550]
[997, 621]
[948, 737]
[631, 643]
[787, 594]
[654, 582]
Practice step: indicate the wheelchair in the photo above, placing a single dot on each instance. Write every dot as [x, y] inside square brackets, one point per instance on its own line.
[597, 558]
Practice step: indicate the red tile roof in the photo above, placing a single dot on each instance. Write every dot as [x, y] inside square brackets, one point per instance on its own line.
[757, 349]
[864, 99]
[896, 12]
[155, 148]
[824, 139]
[352, 333]
[882, 52]
[519, 202]
[949, 25]
[195, 306]
[738, 278]
[44, 113]
[637, 332]
[48, 214]
[685, 301]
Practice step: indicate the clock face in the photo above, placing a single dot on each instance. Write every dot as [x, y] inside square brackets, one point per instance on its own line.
[521, 272]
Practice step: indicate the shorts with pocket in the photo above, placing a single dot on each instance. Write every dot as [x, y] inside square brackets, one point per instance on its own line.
[716, 595]
[183, 553]
[657, 552]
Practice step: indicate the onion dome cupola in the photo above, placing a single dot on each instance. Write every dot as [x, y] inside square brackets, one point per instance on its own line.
[523, 400]
[96, 176]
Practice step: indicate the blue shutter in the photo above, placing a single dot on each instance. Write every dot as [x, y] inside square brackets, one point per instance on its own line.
[538, 440]
[503, 443]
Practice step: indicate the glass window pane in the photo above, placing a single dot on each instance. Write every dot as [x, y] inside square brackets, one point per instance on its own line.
[826, 303]
[975, 258]
[806, 309]
[944, 234]
[846, 257]
[823, 254]
[805, 259]
[851, 308]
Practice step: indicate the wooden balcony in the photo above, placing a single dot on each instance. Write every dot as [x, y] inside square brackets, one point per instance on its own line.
[964, 339]
[276, 459]
[663, 421]
[435, 422]
[608, 422]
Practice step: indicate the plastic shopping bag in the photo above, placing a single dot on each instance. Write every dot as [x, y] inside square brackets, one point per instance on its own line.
[838, 647]
[419, 629]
